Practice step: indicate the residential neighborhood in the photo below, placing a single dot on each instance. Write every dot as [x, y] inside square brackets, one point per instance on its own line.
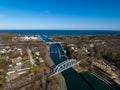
[26, 58]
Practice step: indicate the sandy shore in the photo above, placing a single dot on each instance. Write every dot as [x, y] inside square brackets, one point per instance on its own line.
[62, 83]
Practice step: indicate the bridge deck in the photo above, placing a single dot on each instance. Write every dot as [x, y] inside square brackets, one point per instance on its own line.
[63, 66]
[54, 42]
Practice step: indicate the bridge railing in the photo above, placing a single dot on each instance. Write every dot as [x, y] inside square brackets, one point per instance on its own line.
[63, 66]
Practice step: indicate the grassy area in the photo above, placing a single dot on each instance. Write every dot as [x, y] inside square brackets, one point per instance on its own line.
[25, 58]
[35, 68]
[1, 71]
[1, 60]
[26, 64]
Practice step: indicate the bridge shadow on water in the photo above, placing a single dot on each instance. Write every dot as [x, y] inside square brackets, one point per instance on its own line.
[74, 81]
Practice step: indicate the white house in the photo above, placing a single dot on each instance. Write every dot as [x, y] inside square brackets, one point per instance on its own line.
[37, 53]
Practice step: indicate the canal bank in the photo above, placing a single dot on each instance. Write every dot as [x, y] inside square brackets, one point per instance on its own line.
[62, 83]
[74, 81]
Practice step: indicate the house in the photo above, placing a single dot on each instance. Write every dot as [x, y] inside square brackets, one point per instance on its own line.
[91, 45]
[17, 60]
[37, 53]
[3, 51]
[73, 46]
[18, 65]
[20, 51]
[85, 50]
[7, 58]
[41, 60]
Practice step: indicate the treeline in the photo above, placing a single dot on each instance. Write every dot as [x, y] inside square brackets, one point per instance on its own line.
[111, 51]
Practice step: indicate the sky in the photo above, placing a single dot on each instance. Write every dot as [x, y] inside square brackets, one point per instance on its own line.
[60, 14]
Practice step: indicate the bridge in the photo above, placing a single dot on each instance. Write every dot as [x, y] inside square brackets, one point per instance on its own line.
[63, 66]
[54, 42]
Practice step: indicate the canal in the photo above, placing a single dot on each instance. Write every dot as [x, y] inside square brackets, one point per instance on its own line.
[74, 80]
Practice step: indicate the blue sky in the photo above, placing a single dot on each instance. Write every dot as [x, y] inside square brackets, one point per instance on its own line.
[60, 14]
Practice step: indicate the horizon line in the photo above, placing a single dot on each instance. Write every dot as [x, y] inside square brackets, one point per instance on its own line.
[58, 29]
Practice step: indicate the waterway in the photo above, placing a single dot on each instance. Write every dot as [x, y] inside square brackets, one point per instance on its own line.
[74, 80]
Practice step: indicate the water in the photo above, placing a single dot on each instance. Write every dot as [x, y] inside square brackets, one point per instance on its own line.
[94, 81]
[63, 32]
